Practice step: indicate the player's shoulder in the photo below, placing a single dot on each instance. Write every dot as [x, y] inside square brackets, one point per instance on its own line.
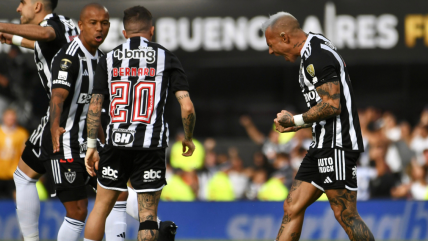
[60, 20]
[318, 49]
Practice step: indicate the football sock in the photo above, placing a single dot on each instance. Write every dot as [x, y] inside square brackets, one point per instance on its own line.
[27, 205]
[132, 205]
[70, 230]
[115, 228]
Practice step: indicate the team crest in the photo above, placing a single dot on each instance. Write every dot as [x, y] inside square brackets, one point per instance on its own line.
[311, 70]
[65, 64]
[70, 176]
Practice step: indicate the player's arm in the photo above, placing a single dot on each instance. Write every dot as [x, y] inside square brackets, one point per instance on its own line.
[94, 116]
[56, 106]
[188, 116]
[6, 38]
[29, 31]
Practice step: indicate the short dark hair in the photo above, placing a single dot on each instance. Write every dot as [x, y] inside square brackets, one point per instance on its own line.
[51, 4]
[137, 14]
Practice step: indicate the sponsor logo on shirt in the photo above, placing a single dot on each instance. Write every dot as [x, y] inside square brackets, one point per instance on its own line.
[147, 53]
[62, 75]
[122, 138]
[61, 82]
[65, 64]
[84, 98]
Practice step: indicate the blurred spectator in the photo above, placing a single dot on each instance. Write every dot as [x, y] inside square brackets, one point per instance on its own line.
[273, 190]
[420, 139]
[283, 169]
[12, 143]
[177, 160]
[237, 175]
[257, 181]
[181, 187]
[220, 188]
[417, 188]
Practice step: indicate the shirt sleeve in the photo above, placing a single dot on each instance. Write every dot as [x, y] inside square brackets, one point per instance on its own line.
[59, 32]
[65, 69]
[178, 76]
[101, 78]
[322, 68]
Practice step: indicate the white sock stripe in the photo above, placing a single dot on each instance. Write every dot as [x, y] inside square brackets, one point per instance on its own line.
[74, 221]
[344, 167]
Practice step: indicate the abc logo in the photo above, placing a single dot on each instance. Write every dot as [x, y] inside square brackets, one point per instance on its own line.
[107, 171]
[122, 138]
[152, 174]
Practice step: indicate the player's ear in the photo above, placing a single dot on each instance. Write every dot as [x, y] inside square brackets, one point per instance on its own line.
[285, 38]
[124, 34]
[152, 31]
[80, 23]
[38, 6]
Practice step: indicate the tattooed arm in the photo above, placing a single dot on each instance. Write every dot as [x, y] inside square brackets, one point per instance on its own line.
[327, 108]
[93, 121]
[56, 104]
[189, 119]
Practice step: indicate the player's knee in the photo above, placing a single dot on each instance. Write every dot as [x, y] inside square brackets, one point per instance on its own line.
[79, 211]
[291, 208]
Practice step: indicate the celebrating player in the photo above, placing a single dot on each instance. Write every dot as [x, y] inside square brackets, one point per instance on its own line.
[45, 32]
[330, 164]
[72, 80]
[136, 77]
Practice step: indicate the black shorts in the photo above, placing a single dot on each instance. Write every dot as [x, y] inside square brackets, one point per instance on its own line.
[145, 168]
[38, 148]
[70, 178]
[329, 169]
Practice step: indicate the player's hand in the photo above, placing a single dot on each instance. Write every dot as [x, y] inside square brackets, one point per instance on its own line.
[282, 129]
[285, 119]
[91, 161]
[56, 134]
[6, 38]
[190, 147]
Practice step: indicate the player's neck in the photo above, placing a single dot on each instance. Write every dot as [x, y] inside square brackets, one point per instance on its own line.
[144, 35]
[40, 17]
[302, 38]
[91, 49]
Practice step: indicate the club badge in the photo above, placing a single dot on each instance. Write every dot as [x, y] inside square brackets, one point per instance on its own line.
[65, 64]
[311, 70]
[70, 176]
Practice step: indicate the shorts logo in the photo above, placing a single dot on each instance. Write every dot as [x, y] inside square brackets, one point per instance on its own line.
[70, 176]
[150, 175]
[110, 173]
[325, 165]
[354, 172]
[122, 138]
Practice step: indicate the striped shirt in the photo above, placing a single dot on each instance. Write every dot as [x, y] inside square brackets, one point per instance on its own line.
[136, 77]
[73, 69]
[321, 63]
[65, 31]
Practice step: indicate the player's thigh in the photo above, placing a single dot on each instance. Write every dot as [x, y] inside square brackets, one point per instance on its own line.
[148, 172]
[105, 199]
[343, 202]
[32, 163]
[302, 194]
[114, 169]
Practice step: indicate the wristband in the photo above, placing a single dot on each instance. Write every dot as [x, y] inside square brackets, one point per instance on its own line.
[298, 120]
[92, 143]
[17, 40]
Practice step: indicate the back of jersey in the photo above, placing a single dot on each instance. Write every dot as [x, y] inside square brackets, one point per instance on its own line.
[65, 31]
[137, 77]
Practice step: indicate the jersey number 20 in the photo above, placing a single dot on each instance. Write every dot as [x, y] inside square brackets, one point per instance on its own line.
[142, 103]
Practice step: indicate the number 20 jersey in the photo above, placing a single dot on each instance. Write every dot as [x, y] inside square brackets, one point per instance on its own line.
[136, 77]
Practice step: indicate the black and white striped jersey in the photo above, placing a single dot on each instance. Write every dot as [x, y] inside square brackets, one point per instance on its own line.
[321, 63]
[136, 77]
[73, 69]
[65, 32]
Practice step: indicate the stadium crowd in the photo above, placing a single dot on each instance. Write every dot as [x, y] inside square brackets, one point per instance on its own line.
[394, 164]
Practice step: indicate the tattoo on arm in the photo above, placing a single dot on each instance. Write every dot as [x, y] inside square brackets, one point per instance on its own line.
[182, 96]
[189, 126]
[328, 92]
[94, 115]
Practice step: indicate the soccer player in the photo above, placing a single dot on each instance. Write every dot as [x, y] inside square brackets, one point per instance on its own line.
[330, 164]
[45, 32]
[136, 77]
[73, 70]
